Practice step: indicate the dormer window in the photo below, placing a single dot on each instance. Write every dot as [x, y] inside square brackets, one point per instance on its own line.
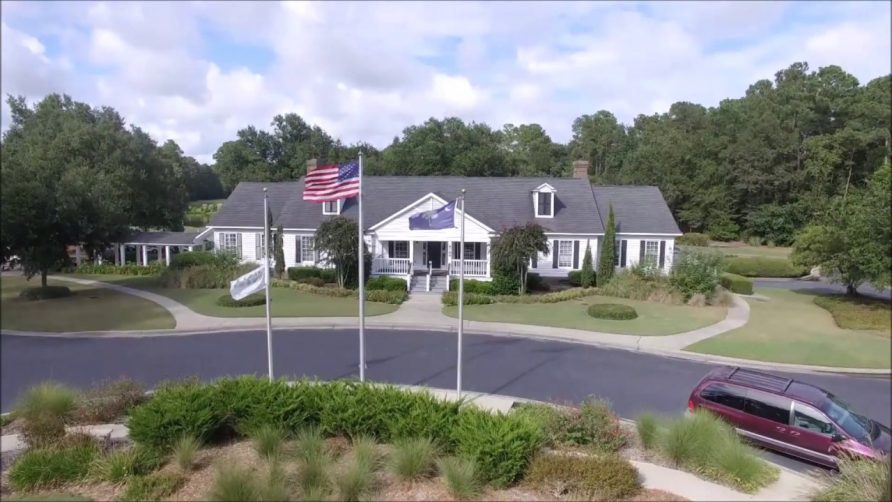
[331, 207]
[543, 201]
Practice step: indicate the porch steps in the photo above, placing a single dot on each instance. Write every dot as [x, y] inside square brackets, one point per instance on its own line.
[419, 284]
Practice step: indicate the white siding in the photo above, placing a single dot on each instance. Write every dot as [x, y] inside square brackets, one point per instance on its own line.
[397, 229]
[545, 260]
[633, 249]
[289, 249]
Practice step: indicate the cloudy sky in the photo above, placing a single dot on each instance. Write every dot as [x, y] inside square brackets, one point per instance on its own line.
[198, 72]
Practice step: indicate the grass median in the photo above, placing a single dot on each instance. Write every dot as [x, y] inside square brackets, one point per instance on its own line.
[89, 308]
[790, 328]
[654, 319]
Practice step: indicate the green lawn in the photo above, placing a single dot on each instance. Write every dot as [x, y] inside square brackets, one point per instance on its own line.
[790, 328]
[653, 318]
[88, 309]
[285, 302]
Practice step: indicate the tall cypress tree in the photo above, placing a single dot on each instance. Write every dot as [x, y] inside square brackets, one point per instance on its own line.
[279, 252]
[607, 257]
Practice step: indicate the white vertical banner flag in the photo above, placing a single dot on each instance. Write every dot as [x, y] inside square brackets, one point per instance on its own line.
[250, 283]
[361, 278]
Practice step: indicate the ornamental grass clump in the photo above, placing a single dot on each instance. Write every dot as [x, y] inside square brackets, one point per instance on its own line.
[607, 477]
[268, 441]
[460, 476]
[184, 452]
[412, 459]
[647, 430]
[45, 409]
[51, 466]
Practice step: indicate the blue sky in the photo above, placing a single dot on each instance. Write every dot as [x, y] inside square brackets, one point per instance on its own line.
[197, 72]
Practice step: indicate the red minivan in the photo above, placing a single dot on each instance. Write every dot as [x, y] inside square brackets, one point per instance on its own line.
[789, 416]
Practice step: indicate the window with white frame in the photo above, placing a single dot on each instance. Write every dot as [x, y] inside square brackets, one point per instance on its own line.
[305, 250]
[473, 250]
[229, 242]
[331, 207]
[545, 204]
[398, 249]
[565, 254]
[651, 252]
[258, 246]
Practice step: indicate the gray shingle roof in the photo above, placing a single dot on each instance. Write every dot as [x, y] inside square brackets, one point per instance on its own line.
[637, 209]
[496, 202]
[162, 238]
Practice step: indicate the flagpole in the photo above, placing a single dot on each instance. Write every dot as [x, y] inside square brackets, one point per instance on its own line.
[265, 262]
[361, 282]
[461, 292]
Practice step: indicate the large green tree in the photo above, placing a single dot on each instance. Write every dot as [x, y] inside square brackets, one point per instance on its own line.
[515, 247]
[337, 242]
[73, 174]
[852, 243]
[531, 152]
[601, 140]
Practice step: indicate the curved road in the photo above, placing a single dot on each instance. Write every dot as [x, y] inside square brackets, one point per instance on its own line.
[544, 370]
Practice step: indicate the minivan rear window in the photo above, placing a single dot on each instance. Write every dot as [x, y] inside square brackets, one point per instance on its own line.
[769, 406]
[726, 395]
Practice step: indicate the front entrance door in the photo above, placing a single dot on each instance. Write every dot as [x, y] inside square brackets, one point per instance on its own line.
[433, 254]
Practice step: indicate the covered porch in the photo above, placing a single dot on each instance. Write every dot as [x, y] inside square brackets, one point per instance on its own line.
[422, 257]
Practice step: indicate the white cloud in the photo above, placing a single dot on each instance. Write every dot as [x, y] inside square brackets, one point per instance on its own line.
[364, 71]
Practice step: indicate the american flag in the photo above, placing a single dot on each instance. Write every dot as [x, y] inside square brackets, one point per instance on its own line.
[329, 183]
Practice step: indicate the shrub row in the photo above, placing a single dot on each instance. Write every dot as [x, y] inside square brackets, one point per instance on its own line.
[328, 275]
[736, 283]
[153, 268]
[450, 298]
[501, 445]
[758, 266]
[381, 296]
[472, 286]
[387, 284]
[47, 467]
[209, 258]
[693, 239]
[248, 301]
[634, 287]
[44, 293]
[575, 278]
[613, 311]
[203, 276]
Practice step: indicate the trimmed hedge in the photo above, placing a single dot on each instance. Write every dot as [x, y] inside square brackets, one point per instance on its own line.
[535, 282]
[472, 286]
[501, 445]
[44, 293]
[736, 283]
[757, 266]
[249, 301]
[450, 298]
[693, 239]
[153, 268]
[386, 283]
[382, 296]
[312, 281]
[204, 276]
[328, 275]
[197, 258]
[612, 311]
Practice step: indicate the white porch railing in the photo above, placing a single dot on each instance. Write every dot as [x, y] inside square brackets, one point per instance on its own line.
[473, 268]
[395, 266]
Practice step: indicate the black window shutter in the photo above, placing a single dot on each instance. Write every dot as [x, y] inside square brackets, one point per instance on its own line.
[536, 260]
[297, 257]
[455, 247]
[641, 253]
[554, 253]
[662, 253]
[575, 254]
[389, 249]
[622, 253]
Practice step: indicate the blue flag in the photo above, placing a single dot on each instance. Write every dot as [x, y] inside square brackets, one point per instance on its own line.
[438, 219]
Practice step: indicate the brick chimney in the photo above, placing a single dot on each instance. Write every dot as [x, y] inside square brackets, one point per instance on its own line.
[580, 169]
[311, 165]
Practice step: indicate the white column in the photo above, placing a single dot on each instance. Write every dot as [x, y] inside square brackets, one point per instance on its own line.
[411, 253]
[122, 252]
[167, 255]
[145, 255]
[190, 249]
[488, 259]
[77, 255]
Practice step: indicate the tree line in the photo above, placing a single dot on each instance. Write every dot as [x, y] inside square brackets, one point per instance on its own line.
[759, 166]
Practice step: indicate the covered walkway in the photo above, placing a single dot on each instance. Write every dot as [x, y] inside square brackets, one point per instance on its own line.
[157, 245]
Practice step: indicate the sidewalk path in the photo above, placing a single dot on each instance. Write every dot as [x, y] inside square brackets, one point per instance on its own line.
[423, 311]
